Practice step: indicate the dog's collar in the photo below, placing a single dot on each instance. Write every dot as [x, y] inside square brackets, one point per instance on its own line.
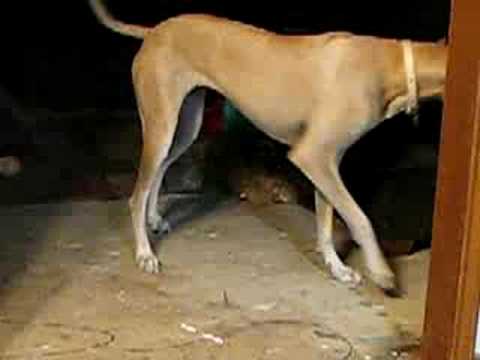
[411, 77]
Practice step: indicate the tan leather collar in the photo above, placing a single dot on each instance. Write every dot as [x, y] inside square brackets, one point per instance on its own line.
[411, 78]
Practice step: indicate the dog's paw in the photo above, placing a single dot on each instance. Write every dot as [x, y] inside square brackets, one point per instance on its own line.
[158, 225]
[345, 274]
[163, 227]
[385, 280]
[148, 263]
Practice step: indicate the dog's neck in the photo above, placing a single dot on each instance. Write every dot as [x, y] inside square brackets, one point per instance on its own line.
[429, 65]
[431, 68]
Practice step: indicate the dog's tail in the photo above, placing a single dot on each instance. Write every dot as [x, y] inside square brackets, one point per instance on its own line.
[105, 18]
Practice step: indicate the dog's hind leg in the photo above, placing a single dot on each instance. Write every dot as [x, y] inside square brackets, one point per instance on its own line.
[159, 101]
[188, 127]
[325, 242]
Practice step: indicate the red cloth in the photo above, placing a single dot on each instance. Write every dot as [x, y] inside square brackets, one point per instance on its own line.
[213, 118]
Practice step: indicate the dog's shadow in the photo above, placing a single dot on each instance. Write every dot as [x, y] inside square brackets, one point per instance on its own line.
[182, 209]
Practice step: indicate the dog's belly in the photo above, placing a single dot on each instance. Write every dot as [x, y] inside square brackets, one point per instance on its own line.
[273, 107]
[272, 80]
[275, 124]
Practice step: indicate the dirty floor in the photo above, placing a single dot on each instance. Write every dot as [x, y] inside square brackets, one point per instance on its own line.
[237, 283]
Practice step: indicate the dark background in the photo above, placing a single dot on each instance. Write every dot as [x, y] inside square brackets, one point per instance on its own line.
[69, 110]
[61, 58]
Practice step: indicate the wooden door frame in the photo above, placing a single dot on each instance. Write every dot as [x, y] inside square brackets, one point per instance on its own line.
[454, 278]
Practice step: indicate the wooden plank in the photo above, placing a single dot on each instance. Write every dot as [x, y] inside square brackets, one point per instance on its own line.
[454, 283]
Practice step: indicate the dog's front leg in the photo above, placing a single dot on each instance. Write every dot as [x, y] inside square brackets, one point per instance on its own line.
[322, 171]
[325, 242]
[317, 154]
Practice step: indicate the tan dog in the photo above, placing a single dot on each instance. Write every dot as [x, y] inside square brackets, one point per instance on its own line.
[319, 94]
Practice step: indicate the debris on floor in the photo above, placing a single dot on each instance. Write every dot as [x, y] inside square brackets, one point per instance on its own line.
[247, 293]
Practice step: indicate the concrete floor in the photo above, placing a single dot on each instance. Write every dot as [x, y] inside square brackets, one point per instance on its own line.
[237, 283]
